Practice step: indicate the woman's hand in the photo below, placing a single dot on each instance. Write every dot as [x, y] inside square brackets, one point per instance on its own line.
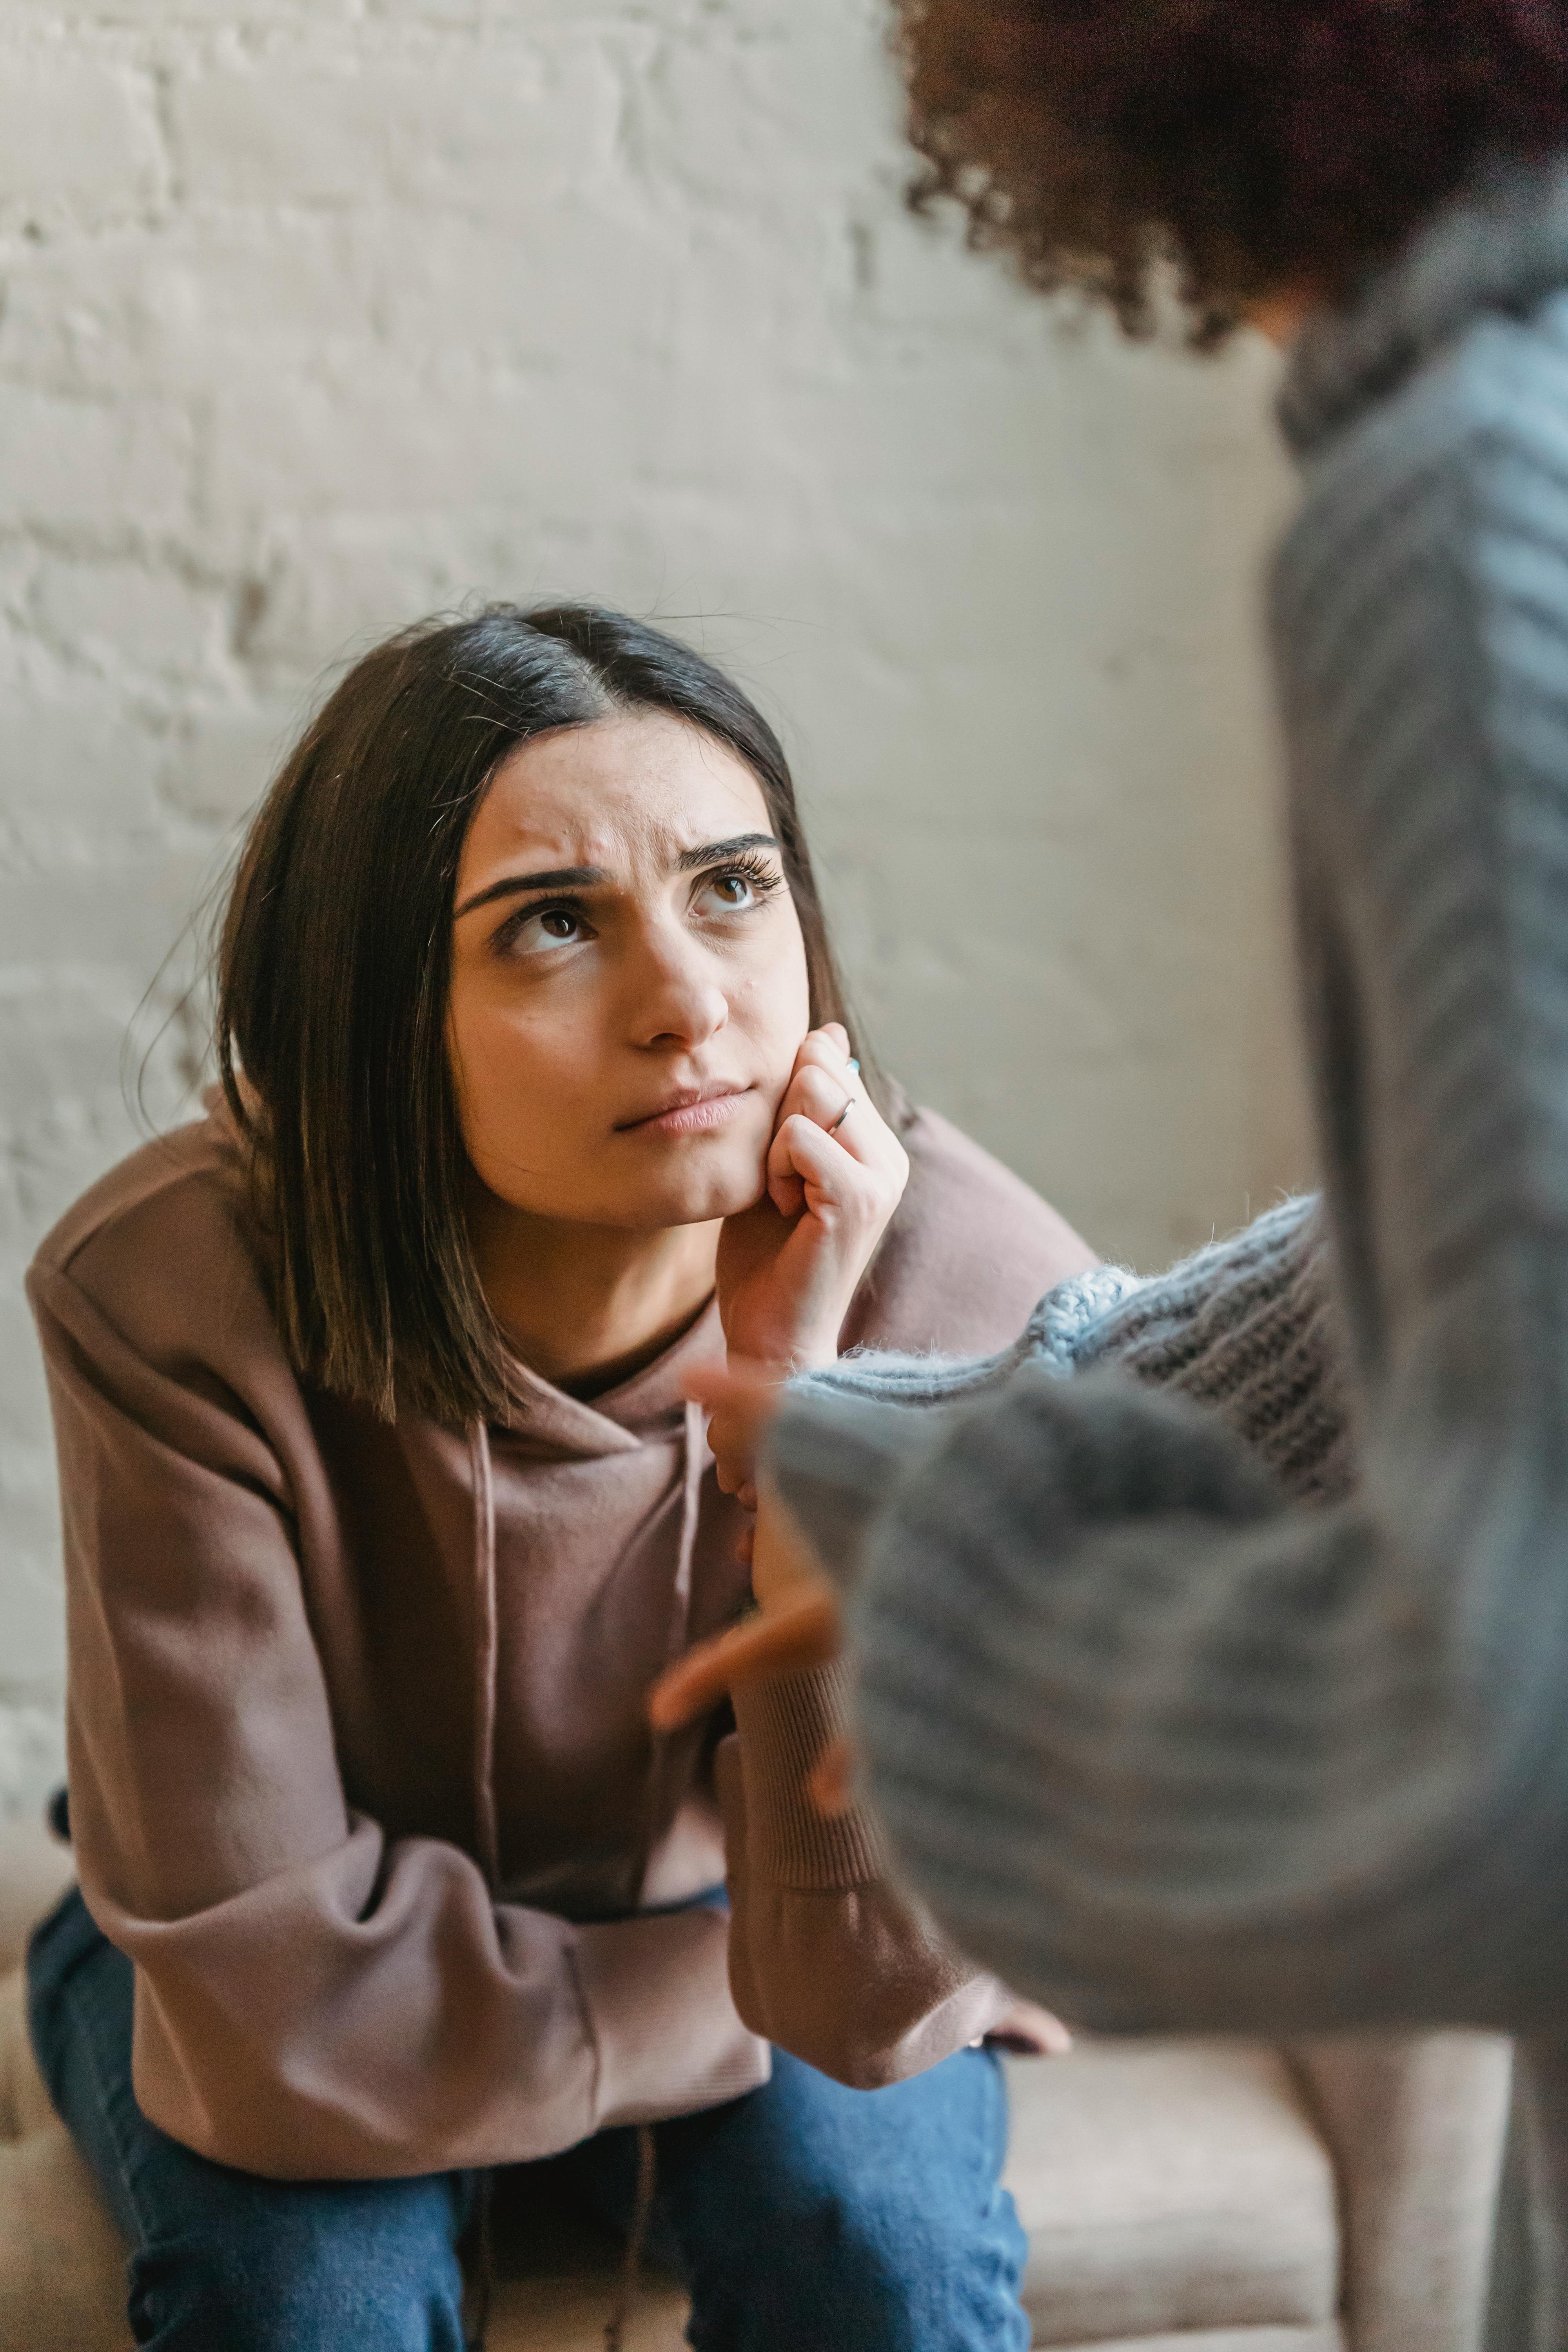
[835, 1171]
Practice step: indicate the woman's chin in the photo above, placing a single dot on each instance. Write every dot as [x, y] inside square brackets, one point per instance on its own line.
[704, 1195]
[704, 1207]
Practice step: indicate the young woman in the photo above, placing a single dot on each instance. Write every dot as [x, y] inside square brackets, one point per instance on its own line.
[384, 1507]
[1159, 1746]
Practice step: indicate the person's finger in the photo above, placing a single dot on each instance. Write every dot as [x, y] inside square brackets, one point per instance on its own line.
[830, 1783]
[740, 1405]
[730, 1443]
[824, 1076]
[828, 1046]
[853, 1122]
[823, 1095]
[735, 1467]
[829, 1089]
[747, 1391]
[788, 1640]
[802, 1155]
[1022, 2046]
[1027, 2031]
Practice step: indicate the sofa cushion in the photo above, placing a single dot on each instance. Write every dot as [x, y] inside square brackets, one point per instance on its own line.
[1225, 2340]
[34, 1873]
[556, 2313]
[1166, 2187]
[62, 2266]
[1170, 2184]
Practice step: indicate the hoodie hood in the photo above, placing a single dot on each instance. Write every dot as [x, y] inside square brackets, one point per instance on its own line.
[541, 1423]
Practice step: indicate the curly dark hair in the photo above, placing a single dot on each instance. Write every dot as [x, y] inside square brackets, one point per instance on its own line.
[1259, 145]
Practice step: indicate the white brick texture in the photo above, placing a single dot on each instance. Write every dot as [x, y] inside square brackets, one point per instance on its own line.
[316, 314]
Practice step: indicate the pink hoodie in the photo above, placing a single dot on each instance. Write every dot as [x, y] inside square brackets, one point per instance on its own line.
[360, 1776]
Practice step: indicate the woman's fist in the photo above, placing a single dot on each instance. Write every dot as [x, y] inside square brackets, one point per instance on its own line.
[835, 1174]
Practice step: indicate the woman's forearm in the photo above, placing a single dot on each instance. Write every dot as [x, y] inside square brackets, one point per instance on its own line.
[828, 1959]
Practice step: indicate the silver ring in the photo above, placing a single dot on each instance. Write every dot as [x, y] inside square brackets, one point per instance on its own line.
[842, 1117]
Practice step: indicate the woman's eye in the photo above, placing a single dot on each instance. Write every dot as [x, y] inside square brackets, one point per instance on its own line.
[733, 893]
[547, 927]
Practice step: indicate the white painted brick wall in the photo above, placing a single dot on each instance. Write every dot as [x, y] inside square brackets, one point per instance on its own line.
[314, 316]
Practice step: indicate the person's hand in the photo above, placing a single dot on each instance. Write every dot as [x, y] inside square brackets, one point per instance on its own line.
[740, 1399]
[789, 1267]
[795, 1627]
[801, 1634]
[1026, 2031]
[784, 1568]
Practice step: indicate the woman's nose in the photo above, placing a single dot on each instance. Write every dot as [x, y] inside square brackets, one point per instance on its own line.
[678, 1001]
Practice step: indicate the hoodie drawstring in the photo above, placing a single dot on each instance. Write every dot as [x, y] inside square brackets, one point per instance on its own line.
[694, 1466]
[694, 1469]
[636, 2239]
[487, 1642]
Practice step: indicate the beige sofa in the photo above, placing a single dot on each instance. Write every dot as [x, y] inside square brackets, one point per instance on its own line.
[1181, 2197]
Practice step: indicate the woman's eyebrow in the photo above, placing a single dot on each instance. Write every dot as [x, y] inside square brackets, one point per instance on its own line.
[558, 877]
[584, 877]
[691, 860]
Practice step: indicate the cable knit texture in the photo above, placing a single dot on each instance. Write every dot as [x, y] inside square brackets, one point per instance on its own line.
[1247, 1326]
[1160, 1745]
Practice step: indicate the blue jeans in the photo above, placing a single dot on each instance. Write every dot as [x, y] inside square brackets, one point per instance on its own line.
[803, 2218]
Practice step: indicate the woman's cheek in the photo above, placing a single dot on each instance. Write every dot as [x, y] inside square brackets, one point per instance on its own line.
[775, 998]
[777, 1087]
[781, 1025]
[500, 1095]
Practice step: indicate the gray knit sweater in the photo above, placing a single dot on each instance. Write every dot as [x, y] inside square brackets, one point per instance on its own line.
[1174, 1724]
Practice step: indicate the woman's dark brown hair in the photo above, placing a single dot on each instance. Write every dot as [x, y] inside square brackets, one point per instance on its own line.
[334, 965]
[1261, 146]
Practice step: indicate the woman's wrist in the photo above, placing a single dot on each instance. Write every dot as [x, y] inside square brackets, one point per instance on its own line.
[812, 1352]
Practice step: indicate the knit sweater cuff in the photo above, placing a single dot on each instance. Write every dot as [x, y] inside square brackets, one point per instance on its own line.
[834, 1458]
[784, 1728]
[843, 1438]
[1247, 1328]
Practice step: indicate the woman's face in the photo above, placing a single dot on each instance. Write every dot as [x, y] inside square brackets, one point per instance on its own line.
[628, 977]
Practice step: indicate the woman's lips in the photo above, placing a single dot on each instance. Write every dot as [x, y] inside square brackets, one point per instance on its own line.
[695, 1115]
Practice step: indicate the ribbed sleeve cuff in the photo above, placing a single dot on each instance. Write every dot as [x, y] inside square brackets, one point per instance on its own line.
[784, 1727]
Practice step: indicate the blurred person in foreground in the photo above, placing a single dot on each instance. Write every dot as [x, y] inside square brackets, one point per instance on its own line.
[1252, 1716]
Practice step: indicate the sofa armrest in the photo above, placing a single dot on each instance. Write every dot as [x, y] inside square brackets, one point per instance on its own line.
[1416, 2123]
